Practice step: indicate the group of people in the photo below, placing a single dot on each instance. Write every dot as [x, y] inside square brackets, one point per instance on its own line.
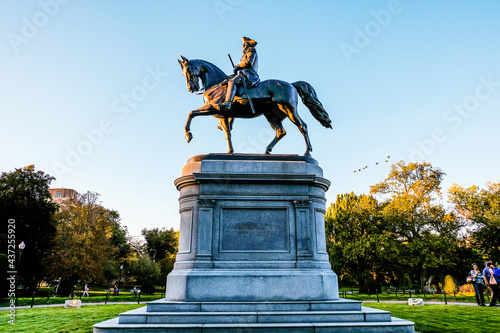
[489, 276]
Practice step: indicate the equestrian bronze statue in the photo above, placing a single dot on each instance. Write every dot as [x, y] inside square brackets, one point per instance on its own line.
[243, 95]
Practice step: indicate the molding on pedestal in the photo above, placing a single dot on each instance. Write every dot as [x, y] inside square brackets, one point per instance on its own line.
[209, 203]
[302, 203]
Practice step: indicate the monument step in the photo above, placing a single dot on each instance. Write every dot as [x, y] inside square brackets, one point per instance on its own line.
[173, 306]
[395, 325]
[142, 316]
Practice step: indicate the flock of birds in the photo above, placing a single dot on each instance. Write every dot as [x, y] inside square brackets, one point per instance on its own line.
[377, 163]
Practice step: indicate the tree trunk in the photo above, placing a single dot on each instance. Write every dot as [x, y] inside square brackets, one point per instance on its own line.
[361, 285]
[428, 283]
[423, 278]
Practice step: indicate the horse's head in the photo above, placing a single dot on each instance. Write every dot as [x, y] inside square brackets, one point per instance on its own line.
[191, 73]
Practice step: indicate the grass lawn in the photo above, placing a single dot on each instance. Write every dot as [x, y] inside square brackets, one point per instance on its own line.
[95, 297]
[404, 297]
[57, 319]
[445, 318]
[427, 318]
[401, 297]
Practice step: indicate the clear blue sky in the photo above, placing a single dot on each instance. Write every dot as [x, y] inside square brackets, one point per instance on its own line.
[416, 80]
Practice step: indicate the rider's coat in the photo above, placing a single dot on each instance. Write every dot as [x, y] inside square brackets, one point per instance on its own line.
[249, 64]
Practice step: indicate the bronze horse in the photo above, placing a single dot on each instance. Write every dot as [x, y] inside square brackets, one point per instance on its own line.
[274, 99]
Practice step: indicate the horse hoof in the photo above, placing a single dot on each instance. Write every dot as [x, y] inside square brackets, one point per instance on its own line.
[307, 153]
[268, 152]
[189, 136]
[230, 151]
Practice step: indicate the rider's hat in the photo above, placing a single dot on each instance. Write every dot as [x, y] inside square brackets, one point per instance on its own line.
[247, 40]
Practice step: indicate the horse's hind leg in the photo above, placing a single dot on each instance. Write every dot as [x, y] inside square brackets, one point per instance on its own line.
[301, 125]
[280, 133]
[276, 124]
[226, 125]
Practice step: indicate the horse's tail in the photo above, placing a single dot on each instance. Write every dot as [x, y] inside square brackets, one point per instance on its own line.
[309, 98]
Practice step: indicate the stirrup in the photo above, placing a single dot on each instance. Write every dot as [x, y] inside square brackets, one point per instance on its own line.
[226, 105]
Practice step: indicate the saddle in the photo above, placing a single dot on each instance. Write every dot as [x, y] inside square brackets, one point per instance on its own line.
[240, 90]
[217, 94]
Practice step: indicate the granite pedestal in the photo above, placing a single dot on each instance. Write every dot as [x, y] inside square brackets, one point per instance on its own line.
[252, 255]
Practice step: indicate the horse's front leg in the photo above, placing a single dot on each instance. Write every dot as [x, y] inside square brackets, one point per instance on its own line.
[226, 125]
[206, 110]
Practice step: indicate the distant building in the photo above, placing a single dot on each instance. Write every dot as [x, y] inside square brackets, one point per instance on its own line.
[61, 195]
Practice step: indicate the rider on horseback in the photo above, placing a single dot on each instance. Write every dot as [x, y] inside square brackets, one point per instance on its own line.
[245, 70]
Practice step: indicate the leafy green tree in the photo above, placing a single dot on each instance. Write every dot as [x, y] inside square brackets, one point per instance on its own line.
[148, 288]
[4, 283]
[65, 287]
[465, 256]
[119, 238]
[160, 242]
[412, 207]
[25, 198]
[359, 245]
[480, 209]
[83, 247]
[144, 269]
[162, 245]
[122, 250]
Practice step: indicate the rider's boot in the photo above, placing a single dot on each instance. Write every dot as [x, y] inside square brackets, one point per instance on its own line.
[231, 91]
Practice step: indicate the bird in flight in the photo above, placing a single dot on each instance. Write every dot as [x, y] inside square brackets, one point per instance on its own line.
[377, 163]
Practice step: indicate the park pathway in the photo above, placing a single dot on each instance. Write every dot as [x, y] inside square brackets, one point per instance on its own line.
[62, 304]
[83, 304]
[425, 302]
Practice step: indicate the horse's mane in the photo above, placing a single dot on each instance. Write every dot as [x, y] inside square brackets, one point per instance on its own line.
[214, 71]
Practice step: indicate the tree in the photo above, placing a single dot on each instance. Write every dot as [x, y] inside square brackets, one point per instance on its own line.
[119, 238]
[65, 288]
[161, 246]
[25, 198]
[464, 256]
[148, 288]
[160, 242]
[427, 233]
[4, 283]
[144, 269]
[480, 209]
[83, 247]
[359, 245]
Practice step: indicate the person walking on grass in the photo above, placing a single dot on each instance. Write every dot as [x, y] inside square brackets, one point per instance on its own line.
[492, 278]
[86, 291]
[478, 283]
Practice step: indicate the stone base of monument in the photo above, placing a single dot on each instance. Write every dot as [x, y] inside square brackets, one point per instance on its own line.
[252, 255]
[328, 316]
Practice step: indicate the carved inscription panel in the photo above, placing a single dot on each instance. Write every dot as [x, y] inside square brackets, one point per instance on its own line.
[254, 230]
[186, 227]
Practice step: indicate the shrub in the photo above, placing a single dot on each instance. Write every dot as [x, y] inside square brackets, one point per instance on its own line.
[4, 267]
[371, 285]
[148, 288]
[143, 269]
[449, 285]
[467, 289]
[65, 288]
